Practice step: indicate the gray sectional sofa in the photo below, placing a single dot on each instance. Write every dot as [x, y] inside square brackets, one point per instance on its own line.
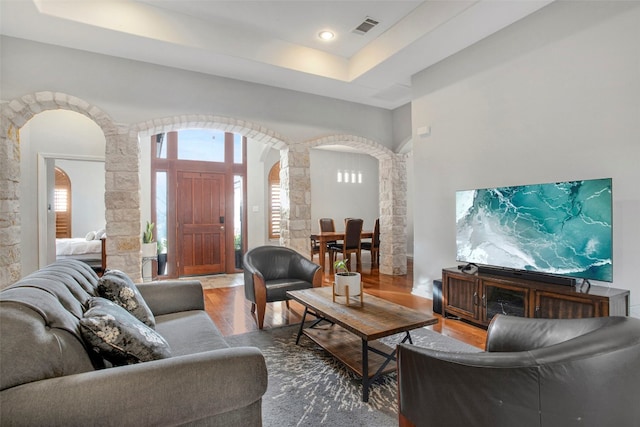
[50, 376]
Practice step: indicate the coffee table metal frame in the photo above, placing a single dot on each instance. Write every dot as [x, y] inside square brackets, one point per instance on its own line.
[340, 337]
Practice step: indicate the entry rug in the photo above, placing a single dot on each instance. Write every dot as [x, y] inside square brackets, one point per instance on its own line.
[308, 387]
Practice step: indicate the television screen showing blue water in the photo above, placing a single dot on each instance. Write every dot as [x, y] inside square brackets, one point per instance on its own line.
[558, 228]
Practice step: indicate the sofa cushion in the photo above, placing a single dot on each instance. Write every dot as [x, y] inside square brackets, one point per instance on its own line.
[118, 336]
[116, 286]
[189, 332]
[277, 289]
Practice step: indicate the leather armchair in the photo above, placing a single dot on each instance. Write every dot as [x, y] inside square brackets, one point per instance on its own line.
[271, 271]
[534, 372]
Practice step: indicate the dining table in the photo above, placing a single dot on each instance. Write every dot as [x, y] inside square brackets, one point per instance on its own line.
[323, 237]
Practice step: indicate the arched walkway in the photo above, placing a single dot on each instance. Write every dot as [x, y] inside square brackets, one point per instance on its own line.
[392, 188]
[15, 115]
[122, 192]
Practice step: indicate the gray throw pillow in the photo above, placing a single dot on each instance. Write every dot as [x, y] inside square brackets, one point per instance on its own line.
[118, 336]
[116, 286]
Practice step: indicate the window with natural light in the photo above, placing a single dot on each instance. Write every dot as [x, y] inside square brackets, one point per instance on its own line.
[61, 199]
[274, 202]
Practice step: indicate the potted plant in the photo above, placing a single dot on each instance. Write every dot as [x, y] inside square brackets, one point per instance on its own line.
[346, 282]
[237, 246]
[162, 256]
[149, 247]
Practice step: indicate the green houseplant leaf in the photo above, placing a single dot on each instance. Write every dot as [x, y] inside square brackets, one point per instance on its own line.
[341, 268]
[147, 236]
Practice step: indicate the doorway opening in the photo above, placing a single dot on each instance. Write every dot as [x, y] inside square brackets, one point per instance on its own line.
[198, 183]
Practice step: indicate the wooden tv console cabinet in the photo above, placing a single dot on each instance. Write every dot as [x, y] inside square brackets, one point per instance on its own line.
[478, 297]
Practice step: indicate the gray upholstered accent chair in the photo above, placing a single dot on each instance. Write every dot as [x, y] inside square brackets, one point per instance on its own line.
[271, 271]
[534, 372]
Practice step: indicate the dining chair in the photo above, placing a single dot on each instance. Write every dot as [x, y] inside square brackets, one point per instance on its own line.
[350, 244]
[327, 224]
[374, 245]
[315, 247]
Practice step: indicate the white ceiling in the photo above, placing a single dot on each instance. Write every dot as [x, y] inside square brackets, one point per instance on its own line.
[274, 42]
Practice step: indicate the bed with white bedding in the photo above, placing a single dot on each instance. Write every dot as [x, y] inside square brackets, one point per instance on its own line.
[90, 251]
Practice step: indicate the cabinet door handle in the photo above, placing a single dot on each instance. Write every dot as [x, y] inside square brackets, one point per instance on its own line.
[484, 300]
[475, 298]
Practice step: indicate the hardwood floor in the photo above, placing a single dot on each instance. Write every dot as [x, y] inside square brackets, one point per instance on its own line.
[231, 311]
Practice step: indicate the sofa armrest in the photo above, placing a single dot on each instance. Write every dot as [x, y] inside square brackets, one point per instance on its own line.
[172, 296]
[444, 388]
[171, 391]
[251, 276]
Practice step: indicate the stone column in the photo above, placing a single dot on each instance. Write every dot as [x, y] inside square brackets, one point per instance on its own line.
[10, 264]
[295, 184]
[393, 214]
[122, 201]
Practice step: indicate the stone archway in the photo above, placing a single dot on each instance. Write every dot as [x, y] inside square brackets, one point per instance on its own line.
[15, 115]
[393, 198]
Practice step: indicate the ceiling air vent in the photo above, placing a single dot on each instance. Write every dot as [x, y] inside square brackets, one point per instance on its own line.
[366, 25]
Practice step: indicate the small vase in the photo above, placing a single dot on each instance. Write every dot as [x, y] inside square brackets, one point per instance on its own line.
[150, 250]
[352, 280]
[162, 264]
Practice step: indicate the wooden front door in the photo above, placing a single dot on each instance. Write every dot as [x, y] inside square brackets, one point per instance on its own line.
[201, 223]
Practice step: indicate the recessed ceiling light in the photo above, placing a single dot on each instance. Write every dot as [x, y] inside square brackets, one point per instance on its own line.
[326, 35]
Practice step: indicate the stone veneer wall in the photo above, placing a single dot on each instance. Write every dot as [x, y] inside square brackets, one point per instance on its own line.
[10, 267]
[122, 183]
[393, 215]
[295, 184]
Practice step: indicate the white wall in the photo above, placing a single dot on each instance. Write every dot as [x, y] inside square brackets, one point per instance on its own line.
[56, 134]
[87, 195]
[331, 199]
[554, 97]
[133, 92]
[411, 185]
[257, 191]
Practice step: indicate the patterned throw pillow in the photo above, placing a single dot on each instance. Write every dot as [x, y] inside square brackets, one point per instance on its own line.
[116, 286]
[118, 336]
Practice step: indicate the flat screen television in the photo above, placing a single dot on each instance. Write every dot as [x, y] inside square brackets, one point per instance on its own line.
[561, 229]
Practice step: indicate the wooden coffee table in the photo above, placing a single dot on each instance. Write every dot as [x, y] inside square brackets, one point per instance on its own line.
[349, 333]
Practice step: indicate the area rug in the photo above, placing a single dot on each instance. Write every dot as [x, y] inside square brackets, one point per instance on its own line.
[307, 386]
